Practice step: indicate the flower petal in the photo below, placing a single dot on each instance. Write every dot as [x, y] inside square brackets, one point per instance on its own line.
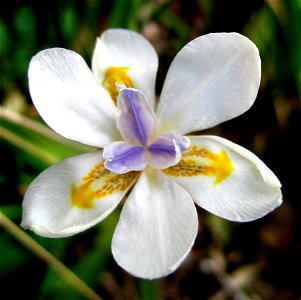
[68, 98]
[124, 48]
[73, 195]
[157, 227]
[214, 78]
[226, 179]
[121, 157]
[136, 123]
[167, 150]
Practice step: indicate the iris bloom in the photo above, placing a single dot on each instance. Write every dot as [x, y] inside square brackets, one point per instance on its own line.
[145, 153]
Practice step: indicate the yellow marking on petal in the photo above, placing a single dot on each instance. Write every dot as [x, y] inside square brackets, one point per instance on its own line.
[199, 161]
[115, 75]
[98, 184]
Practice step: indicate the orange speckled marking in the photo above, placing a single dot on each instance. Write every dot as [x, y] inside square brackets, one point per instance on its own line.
[115, 75]
[100, 183]
[199, 161]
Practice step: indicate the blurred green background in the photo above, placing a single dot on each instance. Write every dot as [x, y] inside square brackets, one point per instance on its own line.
[256, 260]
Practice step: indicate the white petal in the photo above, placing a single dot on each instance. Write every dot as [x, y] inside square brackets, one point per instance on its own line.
[68, 98]
[59, 201]
[124, 48]
[239, 188]
[157, 227]
[214, 78]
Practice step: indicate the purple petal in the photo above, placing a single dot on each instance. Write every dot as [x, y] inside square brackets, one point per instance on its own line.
[167, 150]
[137, 122]
[121, 157]
[183, 142]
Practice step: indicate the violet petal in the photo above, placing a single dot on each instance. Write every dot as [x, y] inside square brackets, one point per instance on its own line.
[137, 122]
[121, 157]
[166, 150]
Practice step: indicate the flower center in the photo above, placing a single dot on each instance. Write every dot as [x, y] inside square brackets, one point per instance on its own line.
[142, 145]
[117, 75]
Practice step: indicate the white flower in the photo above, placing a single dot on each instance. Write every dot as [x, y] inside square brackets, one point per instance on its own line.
[212, 79]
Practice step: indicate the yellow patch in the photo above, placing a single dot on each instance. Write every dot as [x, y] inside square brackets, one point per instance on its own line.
[100, 183]
[115, 75]
[199, 161]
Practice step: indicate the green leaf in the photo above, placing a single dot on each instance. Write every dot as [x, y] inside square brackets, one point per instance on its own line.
[12, 255]
[93, 263]
[25, 23]
[13, 211]
[5, 39]
[68, 23]
[37, 141]
[149, 289]
[123, 14]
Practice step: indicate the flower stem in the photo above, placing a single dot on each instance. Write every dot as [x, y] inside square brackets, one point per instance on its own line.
[27, 123]
[28, 147]
[48, 258]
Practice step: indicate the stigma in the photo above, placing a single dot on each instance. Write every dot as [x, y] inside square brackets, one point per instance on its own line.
[142, 144]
